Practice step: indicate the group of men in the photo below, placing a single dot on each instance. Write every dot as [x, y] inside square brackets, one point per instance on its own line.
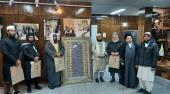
[134, 63]
[14, 53]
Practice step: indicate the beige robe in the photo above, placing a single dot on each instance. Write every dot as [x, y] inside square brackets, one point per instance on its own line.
[99, 50]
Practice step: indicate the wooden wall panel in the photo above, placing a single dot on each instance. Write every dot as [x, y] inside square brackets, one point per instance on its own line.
[115, 20]
[115, 28]
[6, 9]
[105, 28]
[133, 20]
[66, 12]
[106, 21]
[124, 19]
[114, 24]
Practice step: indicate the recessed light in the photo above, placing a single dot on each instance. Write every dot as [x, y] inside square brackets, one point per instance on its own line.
[117, 11]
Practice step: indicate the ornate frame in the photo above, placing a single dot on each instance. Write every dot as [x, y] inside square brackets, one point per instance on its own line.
[86, 60]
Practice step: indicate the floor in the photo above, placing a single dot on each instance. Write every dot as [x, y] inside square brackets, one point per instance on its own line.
[161, 86]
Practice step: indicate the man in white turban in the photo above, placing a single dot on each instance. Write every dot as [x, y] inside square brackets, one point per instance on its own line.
[147, 58]
[99, 54]
[11, 57]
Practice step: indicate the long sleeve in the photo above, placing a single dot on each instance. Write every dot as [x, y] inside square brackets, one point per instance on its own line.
[94, 50]
[122, 53]
[105, 52]
[38, 50]
[25, 52]
[7, 53]
[138, 55]
[62, 49]
[155, 54]
[49, 51]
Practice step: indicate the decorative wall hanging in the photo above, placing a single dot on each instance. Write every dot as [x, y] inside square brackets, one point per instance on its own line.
[76, 27]
[51, 25]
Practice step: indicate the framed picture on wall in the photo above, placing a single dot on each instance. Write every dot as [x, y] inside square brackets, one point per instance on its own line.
[51, 25]
[76, 27]
[25, 28]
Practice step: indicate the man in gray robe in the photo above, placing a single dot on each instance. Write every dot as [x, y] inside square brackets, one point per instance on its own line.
[53, 48]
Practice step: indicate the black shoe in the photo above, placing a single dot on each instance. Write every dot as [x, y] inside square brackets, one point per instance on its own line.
[141, 90]
[112, 80]
[58, 86]
[97, 80]
[51, 87]
[101, 79]
[146, 92]
[38, 87]
[17, 92]
[29, 90]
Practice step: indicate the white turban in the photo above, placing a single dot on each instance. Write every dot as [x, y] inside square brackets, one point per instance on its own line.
[148, 33]
[10, 27]
[98, 34]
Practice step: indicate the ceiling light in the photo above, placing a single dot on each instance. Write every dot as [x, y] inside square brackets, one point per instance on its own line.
[117, 11]
[99, 18]
[104, 16]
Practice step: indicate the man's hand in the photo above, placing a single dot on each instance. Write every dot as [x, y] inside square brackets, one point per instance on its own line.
[112, 53]
[59, 54]
[122, 64]
[36, 59]
[117, 53]
[18, 62]
[100, 56]
[136, 66]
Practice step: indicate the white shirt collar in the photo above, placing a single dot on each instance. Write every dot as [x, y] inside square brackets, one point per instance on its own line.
[130, 44]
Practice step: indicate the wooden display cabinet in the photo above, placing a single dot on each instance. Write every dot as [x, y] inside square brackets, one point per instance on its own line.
[163, 39]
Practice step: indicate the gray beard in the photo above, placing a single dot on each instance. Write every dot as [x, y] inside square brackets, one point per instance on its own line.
[115, 40]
